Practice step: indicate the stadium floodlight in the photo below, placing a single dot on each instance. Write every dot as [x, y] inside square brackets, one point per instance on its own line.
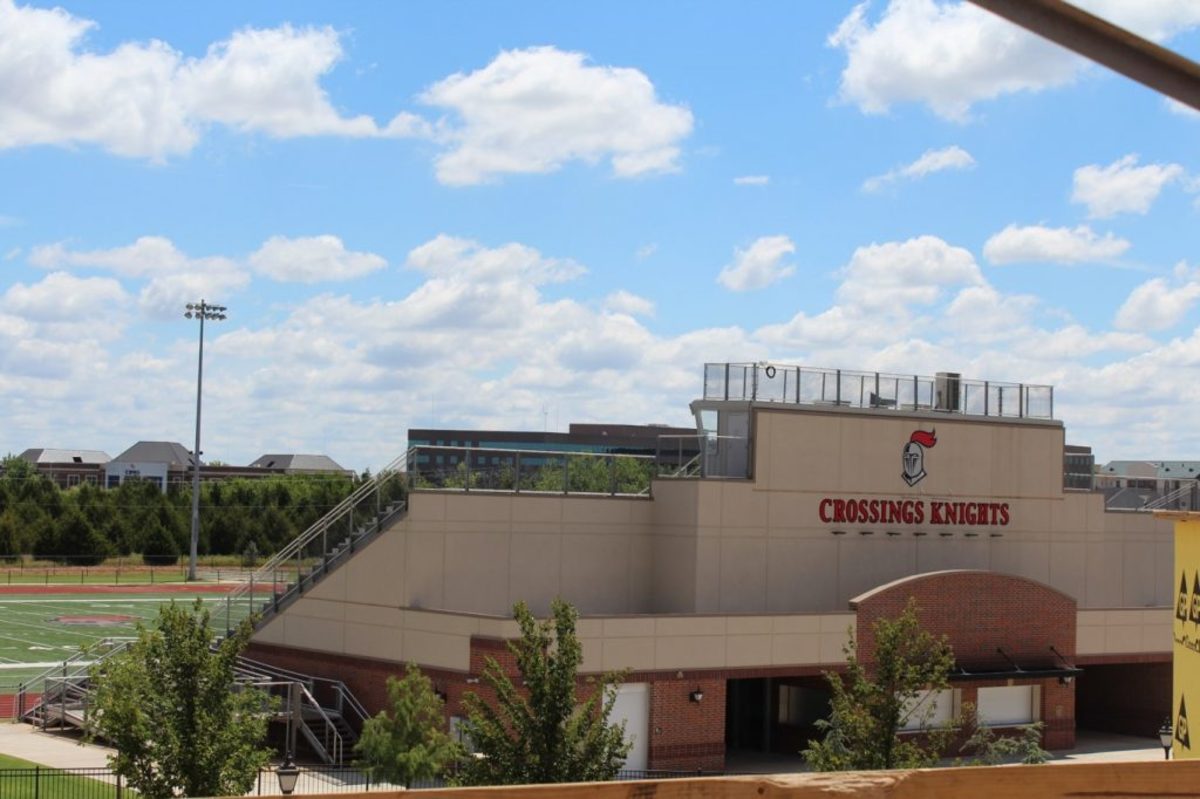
[202, 311]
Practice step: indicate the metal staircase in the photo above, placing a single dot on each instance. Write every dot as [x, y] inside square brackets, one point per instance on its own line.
[58, 697]
[320, 711]
[1186, 497]
[327, 544]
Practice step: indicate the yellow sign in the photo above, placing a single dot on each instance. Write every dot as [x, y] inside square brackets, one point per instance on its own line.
[1186, 632]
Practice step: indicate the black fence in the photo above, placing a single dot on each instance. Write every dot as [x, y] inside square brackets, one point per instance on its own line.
[40, 782]
[104, 783]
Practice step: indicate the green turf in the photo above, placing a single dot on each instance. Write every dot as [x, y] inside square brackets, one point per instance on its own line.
[33, 636]
[49, 783]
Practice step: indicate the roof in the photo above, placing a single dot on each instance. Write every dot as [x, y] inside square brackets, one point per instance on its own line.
[293, 462]
[81, 456]
[169, 452]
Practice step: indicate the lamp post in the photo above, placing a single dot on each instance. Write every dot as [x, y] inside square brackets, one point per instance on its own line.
[1165, 734]
[287, 774]
[202, 311]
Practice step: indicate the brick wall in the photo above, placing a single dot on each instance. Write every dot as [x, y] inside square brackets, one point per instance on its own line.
[981, 613]
[686, 735]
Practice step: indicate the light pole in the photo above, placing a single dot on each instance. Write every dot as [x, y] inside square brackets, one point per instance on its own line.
[202, 311]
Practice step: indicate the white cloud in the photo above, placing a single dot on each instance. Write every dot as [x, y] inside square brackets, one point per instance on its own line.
[900, 273]
[752, 180]
[1176, 107]
[534, 110]
[626, 302]
[1038, 244]
[479, 343]
[63, 297]
[146, 100]
[952, 157]
[951, 55]
[312, 259]
[759, 265]
[174, 278]
[1159, 304]
[1122, 186]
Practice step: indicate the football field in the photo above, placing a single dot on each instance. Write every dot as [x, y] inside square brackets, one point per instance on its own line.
[40, 630]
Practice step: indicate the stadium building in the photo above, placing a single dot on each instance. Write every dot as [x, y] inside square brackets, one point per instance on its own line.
[818, 501]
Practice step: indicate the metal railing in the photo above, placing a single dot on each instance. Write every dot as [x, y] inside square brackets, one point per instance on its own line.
[529, 470]
[320, 548]
[105, 783]
[43, 782]
[702, 455]
[1131, 493]
[62, 684]
[945, 392]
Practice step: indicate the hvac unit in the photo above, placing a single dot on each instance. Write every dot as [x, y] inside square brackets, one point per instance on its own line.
[946, 385]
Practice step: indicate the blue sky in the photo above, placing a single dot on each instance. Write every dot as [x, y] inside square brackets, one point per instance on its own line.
[522, 215]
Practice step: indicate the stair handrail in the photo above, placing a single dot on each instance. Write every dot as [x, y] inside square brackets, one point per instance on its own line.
[332, 753]
[1189, 487]
[69, 668]
[272, 564]
[345, 695]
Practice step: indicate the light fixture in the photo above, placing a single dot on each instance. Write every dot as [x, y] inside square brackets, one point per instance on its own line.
[696, 696]
[1066, 679]
[1165, 735]
[287, 774]
[201, 311]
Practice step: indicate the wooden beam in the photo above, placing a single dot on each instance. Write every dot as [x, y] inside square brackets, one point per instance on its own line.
[1116, 48]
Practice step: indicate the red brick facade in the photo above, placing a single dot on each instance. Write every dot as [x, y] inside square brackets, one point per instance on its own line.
[992, 621]
[980, 612]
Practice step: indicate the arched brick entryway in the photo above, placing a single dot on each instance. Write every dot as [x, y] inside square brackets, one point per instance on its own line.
[1006, 632]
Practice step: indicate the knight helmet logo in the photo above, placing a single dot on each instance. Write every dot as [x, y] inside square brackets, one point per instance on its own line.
[914, 455]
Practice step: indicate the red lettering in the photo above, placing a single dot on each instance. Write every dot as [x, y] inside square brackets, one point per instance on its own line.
[825, 503]
[1004, 514]
[970, 516]
[895, 512]
[874, 514]
[839, 511]
[920, 509]
[936, 516]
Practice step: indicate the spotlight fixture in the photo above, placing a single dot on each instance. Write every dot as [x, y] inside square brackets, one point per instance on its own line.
[696, 696]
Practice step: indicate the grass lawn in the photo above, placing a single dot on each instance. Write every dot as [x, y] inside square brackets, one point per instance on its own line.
[49, 783]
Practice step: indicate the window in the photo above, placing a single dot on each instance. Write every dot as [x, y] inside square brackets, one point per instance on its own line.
[1008, 705]
[929, 709]
[72, 480]
[114, 480]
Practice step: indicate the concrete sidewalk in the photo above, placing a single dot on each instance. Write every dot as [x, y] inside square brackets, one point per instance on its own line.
[50, 748]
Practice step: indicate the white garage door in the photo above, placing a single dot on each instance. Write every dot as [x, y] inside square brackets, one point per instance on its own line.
[1003, 706]
[633, 707]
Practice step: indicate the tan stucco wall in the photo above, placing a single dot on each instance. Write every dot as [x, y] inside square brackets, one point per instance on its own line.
[761, 546]
[724, 547]
[323, 622]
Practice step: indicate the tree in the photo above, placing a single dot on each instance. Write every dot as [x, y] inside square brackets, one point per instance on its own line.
[408, 741]
[985, 748]
[546, 732]
[872, 702]
[78, 542]
[169, 706]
